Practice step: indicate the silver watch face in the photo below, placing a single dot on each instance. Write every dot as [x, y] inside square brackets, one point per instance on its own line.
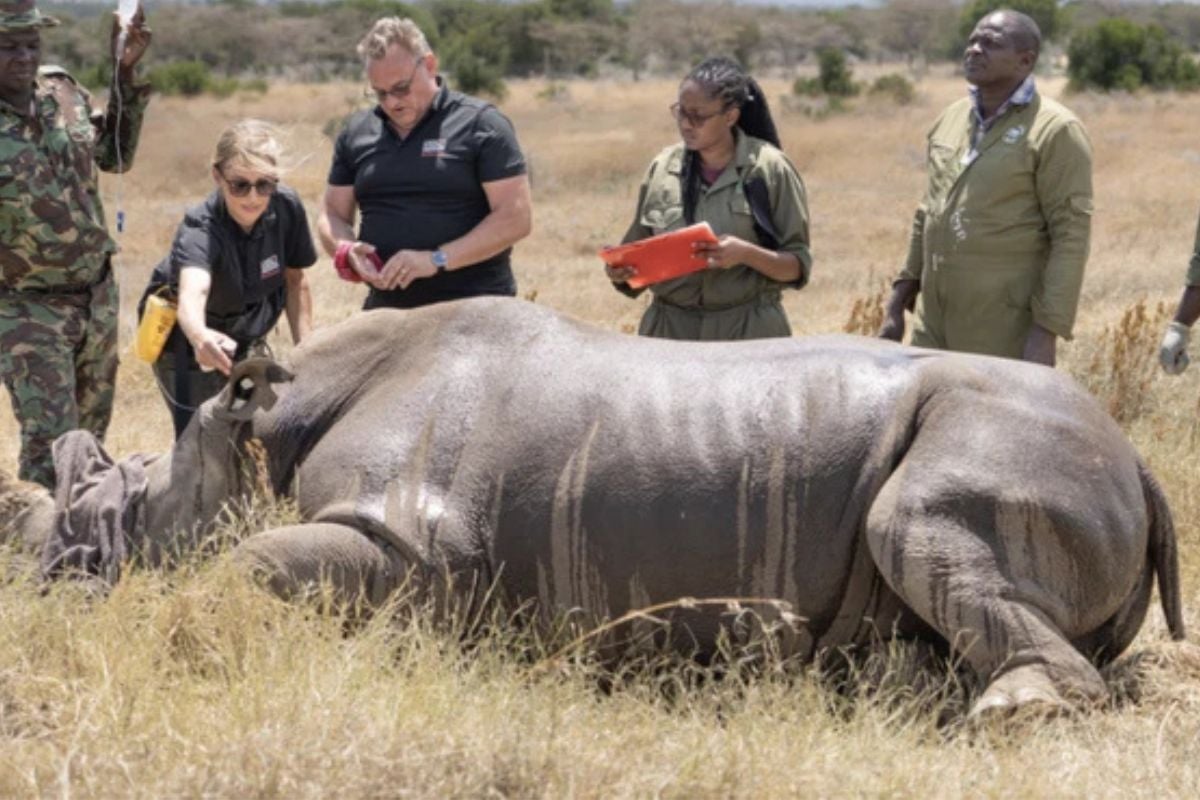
[439, 259]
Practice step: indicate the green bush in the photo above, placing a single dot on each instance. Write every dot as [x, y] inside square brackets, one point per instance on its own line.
[258, 85]
[473, 75]
[894, 86]
[95, 77]
[834, 77]
[810, 87]
[188, 78]
[835, 74]
[223, 87]
[1119, 54]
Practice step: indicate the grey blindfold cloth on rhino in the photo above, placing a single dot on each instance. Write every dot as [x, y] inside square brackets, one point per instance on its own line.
[97, 504]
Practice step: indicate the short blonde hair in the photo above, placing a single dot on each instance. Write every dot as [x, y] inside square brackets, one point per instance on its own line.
[389, 31]
[252, 142]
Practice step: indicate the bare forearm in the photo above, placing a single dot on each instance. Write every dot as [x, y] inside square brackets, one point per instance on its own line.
[331, 230]
[495, 233]
[904, 296]
[1040, 346]
[191, 314]
[1189, 306]
[299, 308]
[778, 265]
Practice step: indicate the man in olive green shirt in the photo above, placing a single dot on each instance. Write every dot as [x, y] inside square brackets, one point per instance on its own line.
[1000, 242]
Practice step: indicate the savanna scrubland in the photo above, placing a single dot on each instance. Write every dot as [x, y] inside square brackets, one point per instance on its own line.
[193, 682]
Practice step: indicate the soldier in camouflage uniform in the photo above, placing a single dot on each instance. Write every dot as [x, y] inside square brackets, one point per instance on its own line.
[58, 297]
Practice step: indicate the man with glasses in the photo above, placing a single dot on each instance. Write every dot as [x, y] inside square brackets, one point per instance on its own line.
[1000, 242]
[437, 175]
[58, 297]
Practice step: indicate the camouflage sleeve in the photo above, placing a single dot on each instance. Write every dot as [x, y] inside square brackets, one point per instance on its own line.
[120, 126]
[1064, 181]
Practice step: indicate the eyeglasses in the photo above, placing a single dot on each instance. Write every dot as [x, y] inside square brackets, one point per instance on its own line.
[240, 187]
[398, 92]
[691, 117]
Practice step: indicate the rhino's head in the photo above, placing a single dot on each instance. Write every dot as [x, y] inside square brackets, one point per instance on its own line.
[208, 467]
[102, 510]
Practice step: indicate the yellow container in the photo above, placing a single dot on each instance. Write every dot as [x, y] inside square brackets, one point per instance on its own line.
[158, 318]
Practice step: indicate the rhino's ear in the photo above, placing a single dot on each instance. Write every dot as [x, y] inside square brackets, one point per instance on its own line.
[249, 388]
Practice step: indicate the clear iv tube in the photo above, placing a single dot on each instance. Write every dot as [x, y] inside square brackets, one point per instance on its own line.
[126, 10]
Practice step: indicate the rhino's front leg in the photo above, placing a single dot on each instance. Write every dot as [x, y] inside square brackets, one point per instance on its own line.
[294, 560]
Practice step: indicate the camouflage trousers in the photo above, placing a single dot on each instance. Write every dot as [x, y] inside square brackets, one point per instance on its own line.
[58, 360]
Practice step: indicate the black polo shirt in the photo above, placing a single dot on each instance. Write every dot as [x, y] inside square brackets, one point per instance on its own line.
[425, 190]
[248, 291]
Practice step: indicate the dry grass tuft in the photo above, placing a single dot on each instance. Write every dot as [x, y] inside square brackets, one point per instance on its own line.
[1162, 676]
[1124, 363]
[866, 313]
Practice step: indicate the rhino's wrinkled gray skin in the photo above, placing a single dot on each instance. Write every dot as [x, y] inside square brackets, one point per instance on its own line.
[875, 488]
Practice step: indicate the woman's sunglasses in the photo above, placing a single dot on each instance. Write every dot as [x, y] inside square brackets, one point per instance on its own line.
[240, 187]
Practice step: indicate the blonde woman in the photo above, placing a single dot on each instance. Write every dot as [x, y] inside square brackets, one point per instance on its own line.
[237, 264]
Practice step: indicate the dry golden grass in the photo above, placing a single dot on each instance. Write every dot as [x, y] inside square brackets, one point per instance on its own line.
[194, 683]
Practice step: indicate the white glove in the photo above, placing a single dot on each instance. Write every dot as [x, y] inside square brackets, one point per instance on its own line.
[1172, 354]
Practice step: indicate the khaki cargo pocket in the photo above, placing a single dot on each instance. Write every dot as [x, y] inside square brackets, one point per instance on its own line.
[987, 311]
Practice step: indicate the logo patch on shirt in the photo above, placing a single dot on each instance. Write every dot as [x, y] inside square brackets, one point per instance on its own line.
[1014, 134]
[270, 266]
[432, 148]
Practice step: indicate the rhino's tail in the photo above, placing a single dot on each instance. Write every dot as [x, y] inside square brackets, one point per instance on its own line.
[1163, 551]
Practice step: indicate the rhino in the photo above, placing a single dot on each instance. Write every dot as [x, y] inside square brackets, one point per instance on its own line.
[980, 504]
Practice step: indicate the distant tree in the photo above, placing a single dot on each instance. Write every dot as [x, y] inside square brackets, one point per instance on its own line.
[596, 10]
[918, 28]
[835, 74]
[573, 47]
[1119, 54]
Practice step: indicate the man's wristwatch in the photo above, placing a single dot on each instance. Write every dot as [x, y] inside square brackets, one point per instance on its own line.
[439, 259]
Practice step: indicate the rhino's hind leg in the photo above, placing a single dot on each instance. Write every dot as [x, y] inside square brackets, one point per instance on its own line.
[294, 560]
[938, 557]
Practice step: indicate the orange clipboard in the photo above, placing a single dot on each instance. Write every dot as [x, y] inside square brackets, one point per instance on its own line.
[661, 257]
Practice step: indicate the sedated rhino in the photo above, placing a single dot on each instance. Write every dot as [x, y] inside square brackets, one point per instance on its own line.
[877, 489]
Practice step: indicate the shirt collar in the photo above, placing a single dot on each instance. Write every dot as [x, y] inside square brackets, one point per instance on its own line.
[36, 96]
[742, 157]
[220, 211]
[1021, 96]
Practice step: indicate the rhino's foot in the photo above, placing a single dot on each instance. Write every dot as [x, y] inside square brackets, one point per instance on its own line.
[1029, 692]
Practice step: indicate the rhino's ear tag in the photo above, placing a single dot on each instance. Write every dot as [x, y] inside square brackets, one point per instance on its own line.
[250, 389]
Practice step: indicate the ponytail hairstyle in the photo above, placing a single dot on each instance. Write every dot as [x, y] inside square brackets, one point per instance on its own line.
[724, 79]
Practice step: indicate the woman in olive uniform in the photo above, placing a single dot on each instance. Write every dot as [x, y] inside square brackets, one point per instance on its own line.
[237, 264]
[728, 171]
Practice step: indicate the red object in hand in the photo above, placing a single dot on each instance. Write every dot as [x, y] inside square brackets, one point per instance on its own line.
[341, 262]
[662, 257]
